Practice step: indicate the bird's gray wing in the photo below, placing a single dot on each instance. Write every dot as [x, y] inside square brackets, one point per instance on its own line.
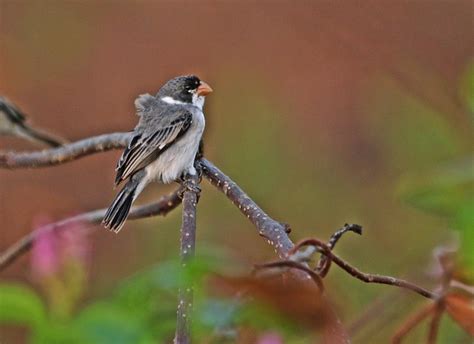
[154, 134]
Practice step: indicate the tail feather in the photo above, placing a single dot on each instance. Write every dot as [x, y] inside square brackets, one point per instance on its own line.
[117, 213]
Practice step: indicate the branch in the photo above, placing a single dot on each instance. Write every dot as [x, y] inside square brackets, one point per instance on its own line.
[365, 277]
[275, 232]
[161, 207]
[412, 322]
[188, 241]
[295, 265]
[63, 154]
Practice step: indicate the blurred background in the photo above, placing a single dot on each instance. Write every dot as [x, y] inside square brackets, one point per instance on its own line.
[323, 112]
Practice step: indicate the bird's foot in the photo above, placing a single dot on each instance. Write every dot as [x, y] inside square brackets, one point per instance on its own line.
[198, 168]
[189, 184]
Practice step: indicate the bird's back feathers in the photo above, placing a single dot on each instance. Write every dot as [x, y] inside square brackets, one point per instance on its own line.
[158, 128]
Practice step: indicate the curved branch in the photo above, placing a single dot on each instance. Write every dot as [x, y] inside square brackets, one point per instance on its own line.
[365, 277]
[161, 207]
[63, 154]
[294, 265]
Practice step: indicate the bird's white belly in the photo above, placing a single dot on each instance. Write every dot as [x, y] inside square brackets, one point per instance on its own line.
[179, 157]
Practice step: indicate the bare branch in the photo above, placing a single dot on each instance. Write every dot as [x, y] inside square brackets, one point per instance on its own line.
[275, 232]
[294, 265]
[161, 207]
[368, 278]
[324, 263]
[63, 154]
[188, 242]
[338, 235]
[435, 322]
[412, 322]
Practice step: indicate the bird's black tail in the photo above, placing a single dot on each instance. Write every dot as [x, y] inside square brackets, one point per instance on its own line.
[117, 213]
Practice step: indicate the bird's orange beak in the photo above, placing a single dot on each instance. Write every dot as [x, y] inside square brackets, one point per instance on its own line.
[204, 89]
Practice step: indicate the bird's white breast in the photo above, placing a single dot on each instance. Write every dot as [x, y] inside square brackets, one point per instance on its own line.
[179, 157]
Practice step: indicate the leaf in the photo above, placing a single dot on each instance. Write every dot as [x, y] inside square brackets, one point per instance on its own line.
[464, 221]
[106, 323]
[442, 191]
[21, 305]
[461, 309]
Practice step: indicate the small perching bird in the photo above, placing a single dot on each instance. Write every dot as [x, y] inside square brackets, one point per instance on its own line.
[164, 143]
[13, 122]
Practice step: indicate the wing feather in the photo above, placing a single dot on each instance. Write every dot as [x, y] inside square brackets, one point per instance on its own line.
[147, 146]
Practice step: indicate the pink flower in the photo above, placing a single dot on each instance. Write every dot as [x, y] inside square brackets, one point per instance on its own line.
[53, 249]
[45, 260]
[270, 338]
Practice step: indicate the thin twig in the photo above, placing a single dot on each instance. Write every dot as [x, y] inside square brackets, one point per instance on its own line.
[339, 233]
[161, 207]
[368, 278]
[435, 322]
[188, 242]
[324, 263]
[294, 265]
[446, 260]
[412, 322]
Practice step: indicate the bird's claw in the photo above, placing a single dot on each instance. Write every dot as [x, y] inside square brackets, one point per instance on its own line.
[198, 167]
[189, 185]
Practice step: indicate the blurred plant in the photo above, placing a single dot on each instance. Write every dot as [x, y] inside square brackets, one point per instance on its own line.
[454, 298]
[59, 264]
[447, 191]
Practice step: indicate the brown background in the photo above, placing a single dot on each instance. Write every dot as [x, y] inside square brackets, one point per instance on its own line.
[323, 78]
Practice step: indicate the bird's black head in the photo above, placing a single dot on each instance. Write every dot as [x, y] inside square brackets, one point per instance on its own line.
[185, 89]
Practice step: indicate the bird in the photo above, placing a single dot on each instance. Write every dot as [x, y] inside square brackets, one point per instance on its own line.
[14, 122]
[163, 145]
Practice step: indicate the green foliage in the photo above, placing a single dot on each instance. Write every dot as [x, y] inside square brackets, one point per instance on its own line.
[106, 322]
[22, 306]
[447, 191]
[467, 88]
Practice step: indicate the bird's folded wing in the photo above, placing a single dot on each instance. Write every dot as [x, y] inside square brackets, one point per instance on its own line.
[148, 145]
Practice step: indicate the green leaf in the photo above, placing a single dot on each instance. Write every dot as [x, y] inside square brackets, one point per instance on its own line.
[58, 332]
[106, 323]
[21, 305]
[443, 191]
[464, 221]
